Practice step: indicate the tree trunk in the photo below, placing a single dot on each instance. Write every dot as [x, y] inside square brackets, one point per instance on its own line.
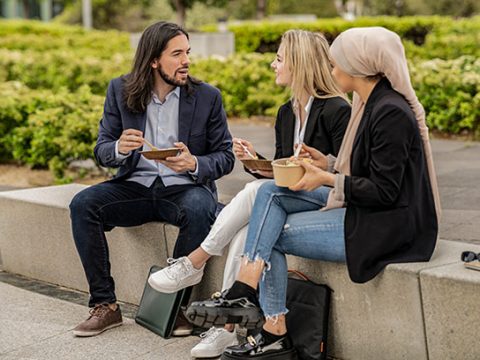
[26, 9]
[261, 9]
[181, 12]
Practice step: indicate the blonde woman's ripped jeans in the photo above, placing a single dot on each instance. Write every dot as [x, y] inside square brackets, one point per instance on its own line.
[286, 222]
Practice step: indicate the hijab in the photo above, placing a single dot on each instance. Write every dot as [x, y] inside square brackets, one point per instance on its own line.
[362, 52]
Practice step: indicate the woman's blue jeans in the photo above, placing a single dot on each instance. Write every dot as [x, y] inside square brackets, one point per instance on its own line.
[286, 222]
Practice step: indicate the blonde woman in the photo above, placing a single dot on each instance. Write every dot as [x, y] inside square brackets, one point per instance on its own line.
[383, 208]
[317, 115]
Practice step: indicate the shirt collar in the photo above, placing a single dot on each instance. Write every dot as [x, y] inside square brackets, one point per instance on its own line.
[175, 92]
[308, 106]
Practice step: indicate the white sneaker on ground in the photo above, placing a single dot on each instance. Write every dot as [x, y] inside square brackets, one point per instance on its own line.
[178, 275]
[213, 342]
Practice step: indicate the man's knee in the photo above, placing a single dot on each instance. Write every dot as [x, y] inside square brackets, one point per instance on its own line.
[81, 202]
[199, 203]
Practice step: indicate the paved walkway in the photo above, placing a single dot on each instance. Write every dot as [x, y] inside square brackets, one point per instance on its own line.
[36, 326]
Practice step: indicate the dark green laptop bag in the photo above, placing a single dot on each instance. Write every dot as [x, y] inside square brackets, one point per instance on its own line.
[158, 311]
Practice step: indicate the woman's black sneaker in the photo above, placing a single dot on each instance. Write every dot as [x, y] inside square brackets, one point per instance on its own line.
[220, 311]
[257, 348]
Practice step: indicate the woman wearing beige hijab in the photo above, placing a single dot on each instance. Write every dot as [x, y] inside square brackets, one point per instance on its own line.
[379, 198]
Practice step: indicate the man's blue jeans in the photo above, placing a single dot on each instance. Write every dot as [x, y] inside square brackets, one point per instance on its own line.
[103, 206]
[287, 222]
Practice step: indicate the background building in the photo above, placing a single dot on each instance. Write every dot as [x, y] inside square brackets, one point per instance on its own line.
[30, 9]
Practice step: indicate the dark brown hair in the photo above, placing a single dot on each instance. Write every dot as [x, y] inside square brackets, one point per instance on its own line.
[376, 77]
[138, 86]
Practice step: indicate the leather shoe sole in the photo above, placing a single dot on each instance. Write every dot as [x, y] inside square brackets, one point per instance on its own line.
[86, 333]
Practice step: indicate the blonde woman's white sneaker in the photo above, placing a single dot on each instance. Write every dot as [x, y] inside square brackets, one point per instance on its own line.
[213, 342]
[177, 276]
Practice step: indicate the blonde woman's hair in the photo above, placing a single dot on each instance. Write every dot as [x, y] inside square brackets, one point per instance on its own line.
[307, 56]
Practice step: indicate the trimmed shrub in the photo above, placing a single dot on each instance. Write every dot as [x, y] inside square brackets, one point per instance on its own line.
[450, 93]
[424, 36]
[62, 68]
[38, 36]
[45, 129]
[51, 101]
[246, 81]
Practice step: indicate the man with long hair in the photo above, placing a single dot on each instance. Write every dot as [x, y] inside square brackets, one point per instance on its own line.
[158, 103]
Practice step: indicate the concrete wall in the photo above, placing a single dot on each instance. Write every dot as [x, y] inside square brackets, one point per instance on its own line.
[204, 44]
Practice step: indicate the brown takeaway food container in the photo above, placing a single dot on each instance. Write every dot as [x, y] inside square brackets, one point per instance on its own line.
[286, 175]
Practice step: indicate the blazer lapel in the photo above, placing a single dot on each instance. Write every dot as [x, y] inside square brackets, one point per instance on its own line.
[289, 126]
[136, 121]
[185, 115]
[317, 107]
[140, 121]
[361, 127]
[372, 99]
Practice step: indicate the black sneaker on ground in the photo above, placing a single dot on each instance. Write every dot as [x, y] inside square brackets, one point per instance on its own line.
[220, 311]
[255, 348]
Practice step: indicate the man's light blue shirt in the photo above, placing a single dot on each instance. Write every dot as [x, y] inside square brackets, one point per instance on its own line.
[161, 129]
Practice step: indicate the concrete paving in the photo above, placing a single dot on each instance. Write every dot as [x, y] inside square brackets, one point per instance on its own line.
[38, 326]
[35, 326]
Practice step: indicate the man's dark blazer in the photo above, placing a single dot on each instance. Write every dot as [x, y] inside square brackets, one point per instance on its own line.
[327, 122]
[390, 215]
[202, 128]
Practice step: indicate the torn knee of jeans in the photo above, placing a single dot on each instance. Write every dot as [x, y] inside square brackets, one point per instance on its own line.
[286, 226]
[274, 318]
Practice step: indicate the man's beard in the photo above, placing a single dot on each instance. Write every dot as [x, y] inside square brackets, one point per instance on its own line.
[170, 80]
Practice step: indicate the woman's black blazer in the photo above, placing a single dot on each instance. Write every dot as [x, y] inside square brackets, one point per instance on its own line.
[390, 216]
[327, 122]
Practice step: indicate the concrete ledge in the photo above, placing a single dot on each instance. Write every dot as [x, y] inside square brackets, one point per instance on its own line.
[384, 318]
[36, 242]
[451, 303]
[410, 311]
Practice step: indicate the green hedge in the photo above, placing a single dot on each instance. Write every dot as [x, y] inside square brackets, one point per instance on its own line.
[449, 41]
[426, 37]
[26, 27]
[45, 129]
[261, 36]
[62, 68]
[51, 101]
[448, 89]
[450, 93]
[246, 81]
[37, 36]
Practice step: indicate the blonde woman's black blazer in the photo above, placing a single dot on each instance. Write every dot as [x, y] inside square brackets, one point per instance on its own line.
[390, 216]
[326, 125]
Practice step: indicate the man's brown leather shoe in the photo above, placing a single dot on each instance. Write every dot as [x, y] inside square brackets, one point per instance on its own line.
[182, 327]
[101, 318]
